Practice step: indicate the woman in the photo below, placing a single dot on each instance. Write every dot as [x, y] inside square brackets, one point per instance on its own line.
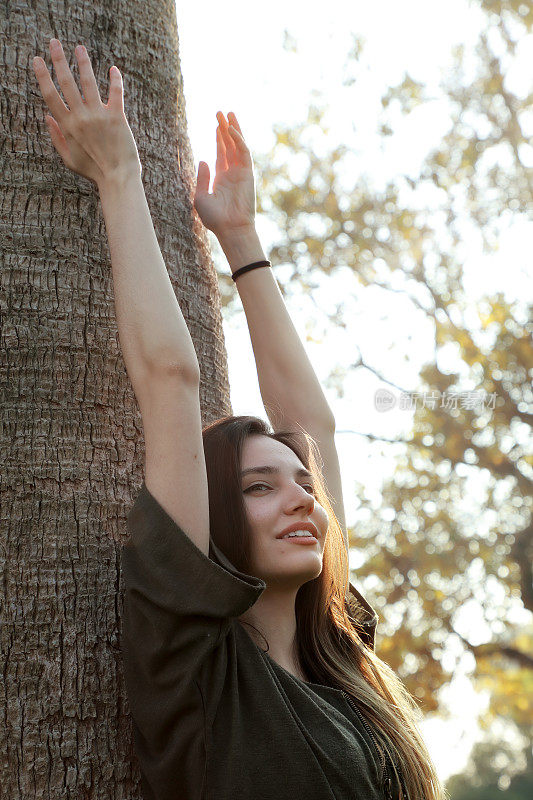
[248, 656]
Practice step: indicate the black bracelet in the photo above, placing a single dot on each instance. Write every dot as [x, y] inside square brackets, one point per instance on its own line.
[256, 264]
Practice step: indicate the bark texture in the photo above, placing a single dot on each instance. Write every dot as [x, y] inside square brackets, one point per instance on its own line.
[71, 446]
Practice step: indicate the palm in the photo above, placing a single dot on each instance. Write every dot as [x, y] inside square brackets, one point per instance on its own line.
[232, 202]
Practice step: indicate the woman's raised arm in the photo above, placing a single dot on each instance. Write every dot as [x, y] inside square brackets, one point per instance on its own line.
[95, 140]
[290, 390]
[287, 379]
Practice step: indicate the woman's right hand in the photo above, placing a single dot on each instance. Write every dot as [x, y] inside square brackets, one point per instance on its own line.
[93, 139]
[231, 206]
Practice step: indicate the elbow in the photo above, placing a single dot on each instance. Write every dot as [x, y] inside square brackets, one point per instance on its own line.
[326, 423]
[332, 425]
[187, 372]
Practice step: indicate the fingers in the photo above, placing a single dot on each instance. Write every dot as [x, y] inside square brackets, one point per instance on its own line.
[71, 93]
[115, 101]
[202, 183]
[87, 79]
[58, 140]
[221, 162]
[48, 90]
[231, 149]
[238, 152]
[228, 142]
[244, 158]
[237, 139]
[233, 121]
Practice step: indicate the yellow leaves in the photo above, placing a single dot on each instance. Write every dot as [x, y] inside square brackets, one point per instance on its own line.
[512, 696]
[283, 137]
[442, 158]
[494, 85]
[444, 523]
[510, 686]
[524, 641]
[386, 646]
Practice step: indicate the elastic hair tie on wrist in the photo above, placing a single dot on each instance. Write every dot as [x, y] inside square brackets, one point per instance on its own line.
[256, 264]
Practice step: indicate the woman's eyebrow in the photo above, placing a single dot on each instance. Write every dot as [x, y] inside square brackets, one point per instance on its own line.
[301, 472]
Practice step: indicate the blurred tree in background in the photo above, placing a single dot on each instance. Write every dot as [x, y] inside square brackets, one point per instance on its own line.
[494, 769]
[453, 529]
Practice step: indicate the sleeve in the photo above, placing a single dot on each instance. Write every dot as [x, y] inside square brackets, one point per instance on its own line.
[175, 601]
[363, 616]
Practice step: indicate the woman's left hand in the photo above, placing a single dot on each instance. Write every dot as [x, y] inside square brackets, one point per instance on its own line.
[231, 206]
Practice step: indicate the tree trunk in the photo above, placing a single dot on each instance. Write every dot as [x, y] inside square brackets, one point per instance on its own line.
[72, 444]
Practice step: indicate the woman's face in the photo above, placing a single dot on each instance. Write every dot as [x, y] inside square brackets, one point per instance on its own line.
[274, 501]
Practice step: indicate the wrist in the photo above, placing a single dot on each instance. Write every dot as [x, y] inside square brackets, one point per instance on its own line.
[241, 247]
[119, 179]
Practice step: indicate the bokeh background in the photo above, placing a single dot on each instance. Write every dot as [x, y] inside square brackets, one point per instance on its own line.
[393, 155]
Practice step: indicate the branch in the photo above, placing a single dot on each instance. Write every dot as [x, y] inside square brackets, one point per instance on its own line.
[361, 363]
[522, 415]
[375, 438]
[522, 551]
[430, 312]
[503, 469]
[495, 648]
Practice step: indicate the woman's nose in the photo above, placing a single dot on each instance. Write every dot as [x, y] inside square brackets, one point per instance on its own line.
[301, 497]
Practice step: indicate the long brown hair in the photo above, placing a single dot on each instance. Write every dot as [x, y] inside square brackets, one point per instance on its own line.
[330, 648]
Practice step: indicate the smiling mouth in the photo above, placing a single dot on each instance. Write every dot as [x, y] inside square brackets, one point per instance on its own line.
[300, 539]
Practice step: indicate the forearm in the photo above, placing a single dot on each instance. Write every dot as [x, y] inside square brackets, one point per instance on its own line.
[151, 326]
[287, 380]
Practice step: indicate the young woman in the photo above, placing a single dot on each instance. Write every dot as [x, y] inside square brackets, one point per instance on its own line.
[248, 656]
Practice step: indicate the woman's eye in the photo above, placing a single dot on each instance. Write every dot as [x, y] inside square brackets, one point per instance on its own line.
[264, 486]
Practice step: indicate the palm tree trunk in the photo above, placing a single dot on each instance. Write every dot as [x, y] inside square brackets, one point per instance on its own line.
[72, 447]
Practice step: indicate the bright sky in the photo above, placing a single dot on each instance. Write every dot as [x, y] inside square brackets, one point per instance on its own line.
[232, 59]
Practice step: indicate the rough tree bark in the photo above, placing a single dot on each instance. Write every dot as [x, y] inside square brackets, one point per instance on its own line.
[71, 446]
